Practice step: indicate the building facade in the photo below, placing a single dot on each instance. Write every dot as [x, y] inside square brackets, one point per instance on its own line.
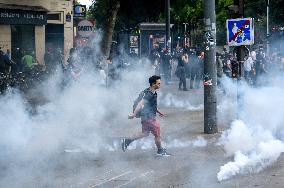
[36, 25]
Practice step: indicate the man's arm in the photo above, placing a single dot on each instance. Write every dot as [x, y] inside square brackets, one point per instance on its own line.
[160, 113]
[138, 107]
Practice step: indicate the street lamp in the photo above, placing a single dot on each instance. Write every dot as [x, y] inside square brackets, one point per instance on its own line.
[185, 34]
[185, 24]
[168, 24]
[267, 29]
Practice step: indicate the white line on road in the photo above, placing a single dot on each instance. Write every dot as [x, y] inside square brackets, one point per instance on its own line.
[108, 180]
[131, 180]
[92, 179]
[97, 177]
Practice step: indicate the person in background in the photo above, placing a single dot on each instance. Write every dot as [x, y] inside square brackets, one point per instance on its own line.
[227, 68]
[166, 65]
[200, 70]
[181, 72]
[2, 62]
[18, 60]
[219, 69]
[111, 72]
[49, 61]
[28, 62]
[155, 58]
[249, 69]
[8, 62]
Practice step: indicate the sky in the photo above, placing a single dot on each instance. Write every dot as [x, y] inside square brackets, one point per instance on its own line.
[85, 2]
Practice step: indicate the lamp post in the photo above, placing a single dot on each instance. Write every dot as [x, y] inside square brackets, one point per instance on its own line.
[267, 29]
[185, 33]
[168, 25]
[210, 72]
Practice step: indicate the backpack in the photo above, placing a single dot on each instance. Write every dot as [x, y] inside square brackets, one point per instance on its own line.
[137, 100]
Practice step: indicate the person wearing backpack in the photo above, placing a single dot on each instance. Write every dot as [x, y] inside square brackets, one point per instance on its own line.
[2, 61]
[146, 109]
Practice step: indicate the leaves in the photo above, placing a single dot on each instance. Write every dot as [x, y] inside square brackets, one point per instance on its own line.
[133, 12]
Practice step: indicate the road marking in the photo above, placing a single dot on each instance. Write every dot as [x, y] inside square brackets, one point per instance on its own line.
[97, 177]
[108, 180]
[131, 180]
[91, 179]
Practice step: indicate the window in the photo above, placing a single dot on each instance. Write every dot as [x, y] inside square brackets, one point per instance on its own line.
[56, 16]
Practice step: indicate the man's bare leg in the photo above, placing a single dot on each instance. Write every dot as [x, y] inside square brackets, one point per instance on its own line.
[158, 142]
[127, 141]
[139, 136]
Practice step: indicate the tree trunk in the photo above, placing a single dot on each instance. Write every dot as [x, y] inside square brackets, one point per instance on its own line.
[109, 27]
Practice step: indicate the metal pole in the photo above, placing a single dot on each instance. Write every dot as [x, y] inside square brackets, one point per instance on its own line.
[240, 60]
[267, 29]
[185, 33]
[168, 25]
[210, 72]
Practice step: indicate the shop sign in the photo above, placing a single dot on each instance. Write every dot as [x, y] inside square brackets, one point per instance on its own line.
[68, 17]
[80, 11]
[85, 28]
[9, 17]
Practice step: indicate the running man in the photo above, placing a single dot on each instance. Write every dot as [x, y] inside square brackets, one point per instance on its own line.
[148, 107]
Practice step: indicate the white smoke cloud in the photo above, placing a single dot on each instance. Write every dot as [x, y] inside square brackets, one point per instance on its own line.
[200, 142]
[171, 100]
[264, 154]
[256, 140]
[79, 117]
[148, 143]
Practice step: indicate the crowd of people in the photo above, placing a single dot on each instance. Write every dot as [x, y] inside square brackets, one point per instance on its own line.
[185, 64]
[23, 70]
[14, 69]
[22, 61]
[255, 67]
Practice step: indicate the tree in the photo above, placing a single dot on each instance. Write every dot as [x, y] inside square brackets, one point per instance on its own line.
[122, 15]
[114, 16]
[105, 13]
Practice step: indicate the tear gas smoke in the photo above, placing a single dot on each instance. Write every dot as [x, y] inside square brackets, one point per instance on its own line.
[78, 117]
[148, 143]
[256, 140]
[171, 100]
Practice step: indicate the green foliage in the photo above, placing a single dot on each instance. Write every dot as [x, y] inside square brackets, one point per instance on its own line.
[185, 11]
[130, 13]
[222, 14]
[257, 9]
[101, 10]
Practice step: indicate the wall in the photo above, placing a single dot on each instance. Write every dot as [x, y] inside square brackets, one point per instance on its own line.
[40, 43]
[5, 37]
[53, 6]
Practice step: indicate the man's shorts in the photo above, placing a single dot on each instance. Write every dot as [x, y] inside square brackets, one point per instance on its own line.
[151, 125]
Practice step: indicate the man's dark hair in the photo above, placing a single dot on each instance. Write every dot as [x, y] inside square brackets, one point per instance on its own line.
[109, 58]
[153, 79]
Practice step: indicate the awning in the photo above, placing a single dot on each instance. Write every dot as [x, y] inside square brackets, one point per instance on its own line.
[23, 7]
[11, 14]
